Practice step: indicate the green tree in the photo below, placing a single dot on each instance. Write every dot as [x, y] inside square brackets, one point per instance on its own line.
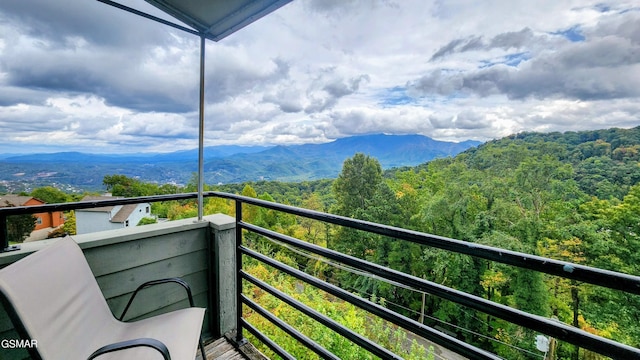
[50, 195]
[69, 226]
[19, 227]
[615, 245]
[121, 185]
[249, 212]
[313, 229]
[118, 184]
[147, 221]
[356, 183]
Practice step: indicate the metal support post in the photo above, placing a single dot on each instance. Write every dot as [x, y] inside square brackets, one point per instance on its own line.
[201, 134]
[239, 335]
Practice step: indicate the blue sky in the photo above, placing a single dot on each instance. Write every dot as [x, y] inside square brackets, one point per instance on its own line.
[78, 75]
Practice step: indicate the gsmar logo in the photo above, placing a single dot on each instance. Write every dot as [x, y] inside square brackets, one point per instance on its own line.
[18, 344]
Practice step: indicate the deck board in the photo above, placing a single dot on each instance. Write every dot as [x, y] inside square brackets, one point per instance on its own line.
[222, 349]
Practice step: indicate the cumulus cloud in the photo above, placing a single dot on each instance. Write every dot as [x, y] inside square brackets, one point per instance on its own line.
[465, 120]
[129, 61]
[505, 41]
[81, 74]
[58, 22]
[604, 66]
[326, 89]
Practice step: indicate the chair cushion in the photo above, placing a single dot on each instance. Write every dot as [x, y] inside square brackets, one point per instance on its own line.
[178, 330]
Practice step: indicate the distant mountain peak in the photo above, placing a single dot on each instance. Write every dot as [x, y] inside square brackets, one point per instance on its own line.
[231, 163]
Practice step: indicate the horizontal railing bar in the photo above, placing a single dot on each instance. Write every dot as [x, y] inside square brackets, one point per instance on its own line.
[265, 340]
[547, 326]
[427, 332]
[306, 341]
[610, 279]
[347, 333]
[22, 210]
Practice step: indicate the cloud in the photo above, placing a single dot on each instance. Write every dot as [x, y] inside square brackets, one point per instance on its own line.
[469, 120]
[506, 41]
[82, 75]
[65, 47]
[342, 7]
[453, 46]
[326, 89]
[287, 97]
[513, 39]
[233, 70]
[364, 120]
[603, 66]
[129, 61]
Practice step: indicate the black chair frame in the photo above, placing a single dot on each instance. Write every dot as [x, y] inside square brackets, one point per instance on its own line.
[147, 284]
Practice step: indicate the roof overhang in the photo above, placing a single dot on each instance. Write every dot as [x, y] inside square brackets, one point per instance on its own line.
[217, 19]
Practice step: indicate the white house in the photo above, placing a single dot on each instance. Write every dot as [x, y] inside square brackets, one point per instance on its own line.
[109, 217]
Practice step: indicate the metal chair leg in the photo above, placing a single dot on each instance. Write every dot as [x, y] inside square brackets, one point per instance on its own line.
[204, 356]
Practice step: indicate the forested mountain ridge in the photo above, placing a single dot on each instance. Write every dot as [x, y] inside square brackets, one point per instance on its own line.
[223, 164]
[604, 162]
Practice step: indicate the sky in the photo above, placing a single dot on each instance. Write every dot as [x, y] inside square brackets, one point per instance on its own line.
[79, 75]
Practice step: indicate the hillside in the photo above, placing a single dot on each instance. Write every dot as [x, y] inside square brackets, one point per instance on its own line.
[603, 163]
[223, 164]
[570, 196]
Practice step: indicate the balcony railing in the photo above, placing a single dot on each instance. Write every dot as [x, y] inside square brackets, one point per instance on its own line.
[216, 247]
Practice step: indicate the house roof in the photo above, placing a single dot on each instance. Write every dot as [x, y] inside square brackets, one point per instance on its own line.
[15, 200]
[217, 19]
[123, 213]
[121, 216]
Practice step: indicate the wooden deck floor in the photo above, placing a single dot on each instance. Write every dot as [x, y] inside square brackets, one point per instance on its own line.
[222, 349]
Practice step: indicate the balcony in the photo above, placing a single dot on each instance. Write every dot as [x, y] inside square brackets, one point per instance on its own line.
[210, 254]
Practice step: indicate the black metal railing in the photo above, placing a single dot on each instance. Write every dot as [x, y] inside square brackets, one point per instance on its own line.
[27, 210]
[560, 331]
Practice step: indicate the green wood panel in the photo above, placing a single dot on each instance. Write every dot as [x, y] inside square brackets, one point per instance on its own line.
[117, 257]
[127, 280]
[5, 322]
[160, 296]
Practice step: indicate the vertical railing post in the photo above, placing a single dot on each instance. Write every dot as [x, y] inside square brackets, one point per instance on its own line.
[239, 332]
[4, 236]
[4, 240]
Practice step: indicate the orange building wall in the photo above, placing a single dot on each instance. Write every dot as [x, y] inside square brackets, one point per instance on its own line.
[50, 219]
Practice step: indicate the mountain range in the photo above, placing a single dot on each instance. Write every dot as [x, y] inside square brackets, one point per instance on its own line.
[223, 164]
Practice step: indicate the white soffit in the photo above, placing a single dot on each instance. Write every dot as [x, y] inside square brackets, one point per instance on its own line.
[217, 19]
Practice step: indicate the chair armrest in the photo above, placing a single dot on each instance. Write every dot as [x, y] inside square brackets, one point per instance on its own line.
[156, 282]
[146, 342]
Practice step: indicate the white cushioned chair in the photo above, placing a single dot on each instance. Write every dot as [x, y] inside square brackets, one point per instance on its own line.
[52, 297]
